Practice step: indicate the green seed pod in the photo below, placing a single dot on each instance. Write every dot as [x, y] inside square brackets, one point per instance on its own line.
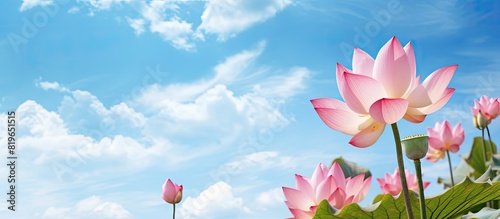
[415, 147]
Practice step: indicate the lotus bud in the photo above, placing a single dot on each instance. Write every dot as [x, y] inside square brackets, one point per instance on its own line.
[416, 146]
[474, 121]
[171, 192]
[480, 121]
[178, 196]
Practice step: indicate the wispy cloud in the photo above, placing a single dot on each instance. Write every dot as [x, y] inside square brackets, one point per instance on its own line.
[227, 72]
[103, 4]
[284, 86]
[446, 17]
[217, 201]
[137, 25]
[91, 207]
[171, 28]
[270, 198]
[482, 79]
[28, 4]
[51, 86]
[45, 133]
[82, 110]
[226, 18]
[258, 161]
[223, 18]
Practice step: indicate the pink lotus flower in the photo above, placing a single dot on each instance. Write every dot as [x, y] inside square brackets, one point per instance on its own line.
[391, 184]
[444, 138]
[382, 91]
[434, 155]
[329, 184]
[489, 107]
[171, 192]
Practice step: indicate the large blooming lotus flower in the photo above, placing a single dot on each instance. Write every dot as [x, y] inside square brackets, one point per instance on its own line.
[489, 107]
[391, 184]
[171, 192]
[382, 91]
[329, 184]
[443, 137]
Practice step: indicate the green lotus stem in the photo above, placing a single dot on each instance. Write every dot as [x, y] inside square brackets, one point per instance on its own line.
[485, 155]
[402, 176]
[491, 151]
[484, 147]
[451, 170]
[418, 168]
[174, 212]
[489, 138]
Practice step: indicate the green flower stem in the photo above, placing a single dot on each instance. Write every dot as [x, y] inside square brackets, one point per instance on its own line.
[489, 138]
[174, 211]
[402, 176]
[491, 152]
[484, 147]
[451, 170]
[418, 168]
[485, 155]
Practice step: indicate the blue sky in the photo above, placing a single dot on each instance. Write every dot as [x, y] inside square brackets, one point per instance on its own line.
[115, 96]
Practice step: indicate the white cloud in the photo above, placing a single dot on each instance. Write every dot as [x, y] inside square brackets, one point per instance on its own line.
[209, 109]
[174, 30]
[84, 113]
[171, 28]
[37, 121]
[193, 100]
[91, 207]
[46, 138]
[28, 4]
[137, 25]
[45, 85]
[284, 86]
[270, 198]
[103, 4]
[128, 114]
[74, 10]
[158, 16]
[226, 18]
[85, 127]
[233, 68]
[256, 162]
[217, 115]
[216, 201]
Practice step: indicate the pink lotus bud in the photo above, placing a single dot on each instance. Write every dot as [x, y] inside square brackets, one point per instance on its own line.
[480, 121]
[489, 107]
[171, 192]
